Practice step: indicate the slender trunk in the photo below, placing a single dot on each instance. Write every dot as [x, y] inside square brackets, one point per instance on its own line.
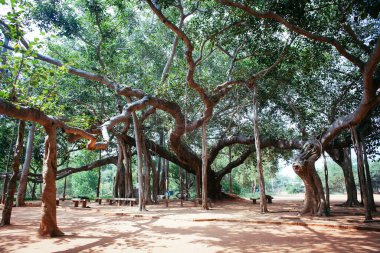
[48, 225]
[343, 158]
[8, 204]
[326, 184]
[160, 172]
[181, 185]
[6, 180]
[230, 174]
[198, 184]
[20, 201]
[118, 169]
[4, 190]
[128, 174]
[165, 164]
[263, 202]
[147, 160]
[139, 149]
[361, 172]
[187, 185]
[155, 183]
[173, 51]
[99, 177]
[64, 189]
[34, 191]
[371, 200]
[204, 165]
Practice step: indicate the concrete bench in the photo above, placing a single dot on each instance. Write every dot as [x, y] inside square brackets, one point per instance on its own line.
[120, 201]
[83, 201]
[267, 197]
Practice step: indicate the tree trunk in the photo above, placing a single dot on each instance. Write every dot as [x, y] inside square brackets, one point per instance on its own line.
[48, 225]
[187, 185]
[64, 189]
[181, 185]
[326, 184]
[34, 191]
[139, 148]
[230, 174]
[198, 184]
[128, 172]
[8, 204]
[204, 165]
[4, 189]
[25, 171]
[371, 200]
[343, 158]
[147, 160]
[155, 183]
[263, 202]
[160, 171]
[361, 172]
[166, 168]
[304, 167]
[118, 169]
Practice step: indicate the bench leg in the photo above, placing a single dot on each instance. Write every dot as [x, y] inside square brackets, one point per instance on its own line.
[75, 203]
[84, 204]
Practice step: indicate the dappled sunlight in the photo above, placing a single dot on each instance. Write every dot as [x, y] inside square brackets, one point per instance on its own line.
[230, 226]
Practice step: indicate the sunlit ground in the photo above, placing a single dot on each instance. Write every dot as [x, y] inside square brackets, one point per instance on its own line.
[231, 226]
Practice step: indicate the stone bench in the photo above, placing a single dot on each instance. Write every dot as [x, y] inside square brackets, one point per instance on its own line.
[77, 201]
[267, 197]
[119, 201]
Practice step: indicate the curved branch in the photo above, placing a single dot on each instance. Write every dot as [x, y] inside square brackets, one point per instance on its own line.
[271, 15]
[229, 167]
[35, 115]
[68, 171]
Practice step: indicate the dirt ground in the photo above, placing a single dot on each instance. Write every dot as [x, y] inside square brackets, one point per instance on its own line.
[230, 226]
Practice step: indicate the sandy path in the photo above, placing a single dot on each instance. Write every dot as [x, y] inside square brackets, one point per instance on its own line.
[122, 229]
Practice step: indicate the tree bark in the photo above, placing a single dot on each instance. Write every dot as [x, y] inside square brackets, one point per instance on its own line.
[4, 189]
[139, 148]
[361, 172]
[263, 201]
[342, 157]
[187, 185]
[304, 167]
[230, 174]
[147, 162]
[155, 183]
[118, 169]
[128, 171]
[181, 185]
[204, 165]
[371, 200]
[326, 185]
[20, 201]
[48, 224]
[99, 177]
[8, 204]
